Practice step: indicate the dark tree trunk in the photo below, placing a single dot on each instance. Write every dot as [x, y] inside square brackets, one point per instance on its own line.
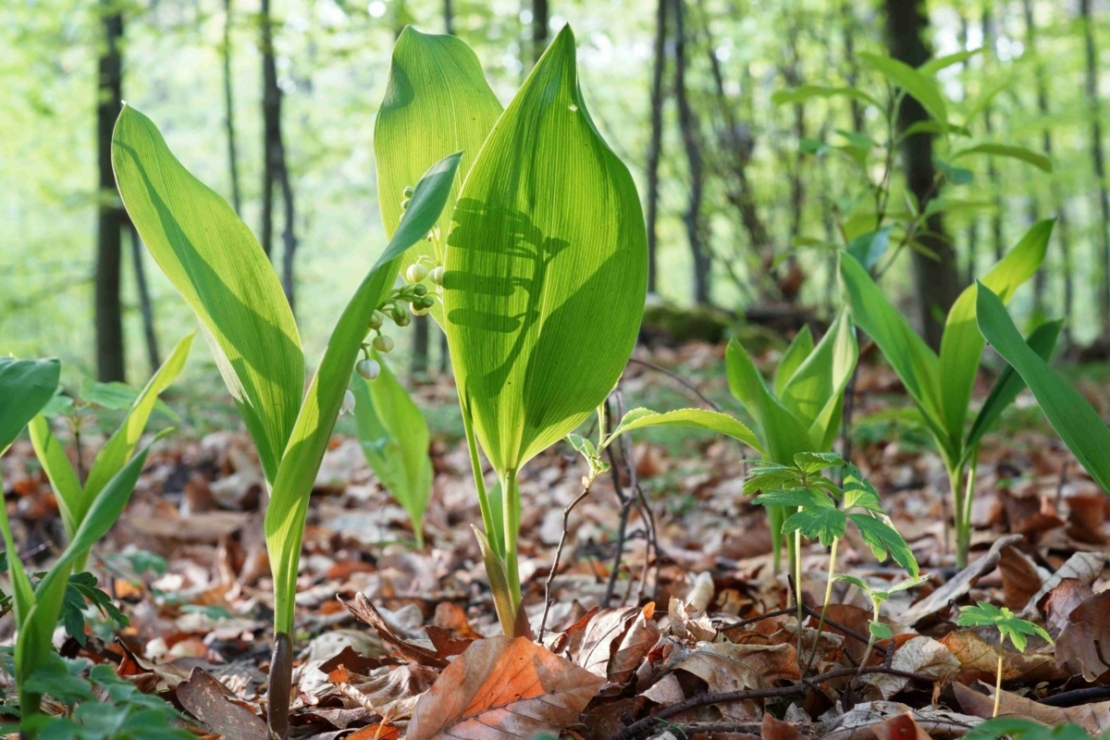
[110, 362]
[146, 308]
[937, 282]
[448, 17]
[691, 141]
[1100, 167]
[655, 147]
[998, 240]
[848, 23]
[229, 110]
[539, 29]
[792, 72]
[275, 171]
[971, 267]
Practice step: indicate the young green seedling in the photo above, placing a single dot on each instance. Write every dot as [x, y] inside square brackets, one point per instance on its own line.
[394, 438]
[940, 386]
[803, 487]
[985, 614]
[802, 410]
[219, 268]
[877, 630]
[1020, 728]
[26, 387]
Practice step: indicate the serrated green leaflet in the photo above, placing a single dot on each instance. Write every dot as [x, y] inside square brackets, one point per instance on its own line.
[794, 497]
[394, 439]
[27, 386]
[219, 268]
[884, 539]
[1073, 418]
[819, 523]
[712, 421]
[285, 515]
[546, 269]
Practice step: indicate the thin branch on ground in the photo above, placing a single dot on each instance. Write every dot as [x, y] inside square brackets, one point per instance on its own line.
[558, 556]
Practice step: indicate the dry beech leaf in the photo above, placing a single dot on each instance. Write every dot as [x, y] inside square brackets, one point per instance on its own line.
[959, 584]
[1020, 578]
[921, 655]
[860, 723]
[1085, 639]
[376, 732]
[365, 611]
[503, 688]
[637, 642]
[725, 667]
[1082, 566]
[392, 694]
[685, 627]
[1094, 718]
[900, 727]
[1063, 600]
[776, 729]
[599, 639]
[979, 660]
[204, 698]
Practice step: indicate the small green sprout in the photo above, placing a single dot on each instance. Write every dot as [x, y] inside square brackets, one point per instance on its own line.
[876, 629]
[985, 614]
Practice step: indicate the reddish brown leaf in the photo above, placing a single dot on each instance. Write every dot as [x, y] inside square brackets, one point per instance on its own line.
[503, 689]
[1086, 638]
[1020, 579]
[364, 610]
[376, 732]
[901, 727]
[776, 729]
[1062, 601]
[1094, 718]
[960, 584]
[354, 662]
[204, 698]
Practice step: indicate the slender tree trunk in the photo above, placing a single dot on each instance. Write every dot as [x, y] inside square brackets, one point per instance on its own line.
[275, 171]
[848, 24]
[990, 36]
[691, 140]
[971, 268]
[539, 28]
[110, 357]
[146, 308]
[229, 109]
[936, 281]
[1100, 167]
[448, 17]
[655, 146]
[793, 74]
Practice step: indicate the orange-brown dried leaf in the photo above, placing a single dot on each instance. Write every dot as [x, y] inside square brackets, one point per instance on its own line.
[1081, 646]
[503, 689]
[900, 727]
[776, 729]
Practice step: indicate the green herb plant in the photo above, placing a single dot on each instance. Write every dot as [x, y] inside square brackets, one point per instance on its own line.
[876, 630]
[26, 386]
[941, 386]
[985, 614]
[394, 437]
[1020, 728]
[802, 409]
[822, 512]
[219, 268]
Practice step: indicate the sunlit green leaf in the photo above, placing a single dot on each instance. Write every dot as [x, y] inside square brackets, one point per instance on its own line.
[220, 270]
[818, 523]
[912, 81]
[26, 386]
[711, 421]
[795, 354]
[1038, 160]
[882, 538]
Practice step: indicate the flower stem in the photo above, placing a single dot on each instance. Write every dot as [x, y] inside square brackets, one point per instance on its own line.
[998, 680]
[824, 606]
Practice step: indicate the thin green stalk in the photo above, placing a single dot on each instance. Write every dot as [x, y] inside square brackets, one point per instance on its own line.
[480, 484]
[511, 493]
[998, 680]
[969, 497]
[875, 606]
[798, 586]
[825, 605]
[955, 483]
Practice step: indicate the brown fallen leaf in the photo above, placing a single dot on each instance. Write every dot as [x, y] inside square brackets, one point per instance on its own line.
[364, 610]
[1086, 639]
[503, 688]
[776, 729]
[1020, 578]
[979, 660]
[637, 642]
[1094, 718]
[1082, 566]
[900, 727]
[921, 655]
[726, 667]
[1062, 601]
[204, 698]
[959, 584]
[859, 723]
[376, 731]
[599, 640]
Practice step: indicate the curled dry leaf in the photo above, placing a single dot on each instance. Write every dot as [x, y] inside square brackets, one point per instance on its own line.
[637, 642]
[725, 667]
[1085, 640]
[900, 727]
[979, 660]
[204, 698]
[1082, 566]
[776, 729]
[959, 584]
[1062, 601]
[686, 627]
[365, 611]
[391, 693]
[921, 655]
[861, 722]
[1020, 578]
[503, 688]
[594, 646]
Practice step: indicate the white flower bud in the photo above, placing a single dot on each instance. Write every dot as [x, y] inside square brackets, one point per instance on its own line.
[369, 369]
[383, 344]
[416, 273]
[348, 405]
[437, 275]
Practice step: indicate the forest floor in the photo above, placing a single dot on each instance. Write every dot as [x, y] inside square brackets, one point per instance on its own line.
[667, 616]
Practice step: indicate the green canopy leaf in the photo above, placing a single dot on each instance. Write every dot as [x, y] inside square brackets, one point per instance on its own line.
[219, 268]
[546, 269]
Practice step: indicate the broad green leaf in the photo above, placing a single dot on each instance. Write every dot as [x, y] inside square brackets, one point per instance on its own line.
[812, 463]
[879, 630]
[824, 524]
[285, 516]
[870, 247]
[498, 579]
[815, 392]
[803, 93]
[1038, 160]
[916, 365]
[854, 580]
[935, 65]
[1077, 423]
[1009, 384]
[793, 358]
[394, 438]
[117, 396]
[546, 269]
[961, 347]
[219, 268]
[711, 421]
[437, 102]
[912, 81]
[805, 497]
[68, 491]
[25, 387]
[883, 538]
[115, 452]
[783, 435]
